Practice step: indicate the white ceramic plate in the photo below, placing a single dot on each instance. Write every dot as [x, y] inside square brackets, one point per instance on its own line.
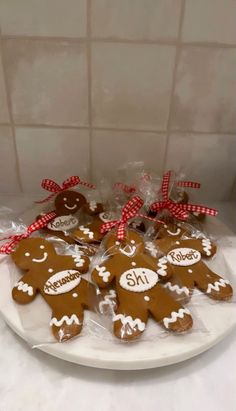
[152, 350]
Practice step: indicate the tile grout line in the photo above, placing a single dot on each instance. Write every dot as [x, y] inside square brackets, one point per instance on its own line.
[116, 129]
[89, 75]
[171, 106]
[9, 105]
[164, 42]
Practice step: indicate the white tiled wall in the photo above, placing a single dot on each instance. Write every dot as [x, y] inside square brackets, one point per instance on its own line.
[86, 85]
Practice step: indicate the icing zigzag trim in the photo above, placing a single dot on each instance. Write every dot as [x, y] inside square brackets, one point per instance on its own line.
[130, 321]
[107, 300]
[78, 260]
[207, 246]
[103, 273]
[216, 285]
[68, 320]
[162, 264]
[174, 316]
[26, 288]
[87, 231]
[176, 288]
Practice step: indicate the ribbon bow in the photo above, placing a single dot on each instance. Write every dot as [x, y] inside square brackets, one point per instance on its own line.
[36, 225]
[54, 188]
[130, 210]
[179, 211]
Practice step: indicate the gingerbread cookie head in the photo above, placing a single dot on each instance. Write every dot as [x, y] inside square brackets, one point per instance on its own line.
[172, 230]
[69, 202]
[31, 252]
[132, 244]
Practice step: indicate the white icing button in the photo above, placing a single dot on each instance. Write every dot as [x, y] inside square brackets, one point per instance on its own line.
[74, 295]
[189, 270]
[133, 263]
[132, 242]
[42, 247]
[50, 270]
[117, 243]
[177, 242]
[27, 254]
[146, 298]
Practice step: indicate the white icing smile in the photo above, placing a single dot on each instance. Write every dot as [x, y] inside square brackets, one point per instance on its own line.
[70, 207]
[128, 250]
[40, 260]
[177, 232]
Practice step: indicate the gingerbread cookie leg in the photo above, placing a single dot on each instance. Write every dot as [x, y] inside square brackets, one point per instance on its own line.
[66, 325]
[212, 284]
[169, 312]
[129, 322]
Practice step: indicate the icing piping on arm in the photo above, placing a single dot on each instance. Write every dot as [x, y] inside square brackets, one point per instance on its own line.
[216, 285]
[130, 321]
[151, 248]
[87, 232]
[92, 205]
[162, 265]
[103, 273]
[78, 260]
[26, 288]
[176, 288]
[206, 244]
[174, 316]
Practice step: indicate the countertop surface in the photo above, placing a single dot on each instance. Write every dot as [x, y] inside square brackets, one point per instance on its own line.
[31, 380]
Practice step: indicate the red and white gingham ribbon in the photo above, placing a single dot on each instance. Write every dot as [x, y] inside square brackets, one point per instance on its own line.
[127, 189]
[54, 188]
[179, 211]
[36, 225]
[189, 184]
[130, 210]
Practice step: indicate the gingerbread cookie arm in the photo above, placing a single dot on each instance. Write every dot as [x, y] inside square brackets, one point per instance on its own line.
[93, 208]
[161, 266]
[76, 261]
[104, 274]
[212, 284]
[24, 290]
[204, 245]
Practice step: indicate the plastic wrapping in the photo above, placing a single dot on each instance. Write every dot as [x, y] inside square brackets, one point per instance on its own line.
[131, 285]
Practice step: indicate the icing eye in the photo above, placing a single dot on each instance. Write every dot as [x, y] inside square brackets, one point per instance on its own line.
[77, 199]
[27, 254]
[132, 242]
[117, 243]
[64, 198]
[165, 226]
[42, 247]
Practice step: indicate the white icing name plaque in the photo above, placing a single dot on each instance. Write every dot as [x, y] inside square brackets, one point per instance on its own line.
[63, 223]
[62, 282]
[183, 256]
[138, 279]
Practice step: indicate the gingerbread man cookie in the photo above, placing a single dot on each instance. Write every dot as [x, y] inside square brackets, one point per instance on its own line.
[138, 290]
[91, 232]
[189, 271]
[67, 204]
[58, 279]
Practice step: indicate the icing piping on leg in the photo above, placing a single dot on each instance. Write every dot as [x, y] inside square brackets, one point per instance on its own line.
[130, 321]
[216, 285]
[107, 300]
[174, 316]
[68, 320]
